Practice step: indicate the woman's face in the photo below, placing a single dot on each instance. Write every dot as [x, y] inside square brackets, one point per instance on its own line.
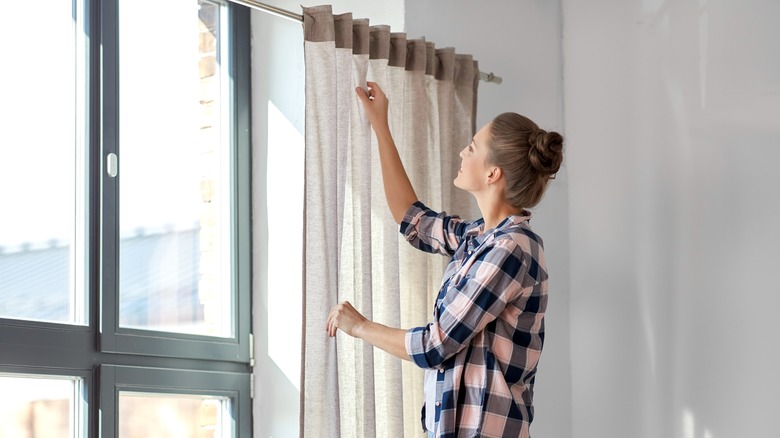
[474, 171]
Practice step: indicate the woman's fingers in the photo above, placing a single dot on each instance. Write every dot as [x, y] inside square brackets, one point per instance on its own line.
[372, 91]
[332, 324]
[374, 102]
[335, 314]
[342, 313]
[365, 96]
[330, 327]
[362, 95]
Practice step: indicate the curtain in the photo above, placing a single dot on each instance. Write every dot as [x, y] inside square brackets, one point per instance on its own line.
[352, 248]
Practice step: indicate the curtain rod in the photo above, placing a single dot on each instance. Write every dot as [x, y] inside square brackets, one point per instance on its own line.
[279, 12]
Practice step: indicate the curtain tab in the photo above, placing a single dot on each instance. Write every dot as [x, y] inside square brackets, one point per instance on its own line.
[318, 24]
[398, 49]
[343, 26]
[380, 42]
[360, 37]
[416, 54]
[431, 64]
[446, 64]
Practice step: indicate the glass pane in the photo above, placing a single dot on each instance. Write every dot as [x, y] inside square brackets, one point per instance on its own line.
[40, 158]
[174, 154]
[37, 407]
[162, 415]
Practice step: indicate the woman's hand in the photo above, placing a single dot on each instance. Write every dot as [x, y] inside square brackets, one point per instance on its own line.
[398, 190]
[343, 316]
[375, 104]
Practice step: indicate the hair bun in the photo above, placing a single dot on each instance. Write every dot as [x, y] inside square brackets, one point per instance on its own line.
[546, 152]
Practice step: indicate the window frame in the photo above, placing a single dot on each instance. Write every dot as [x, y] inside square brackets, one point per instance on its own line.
[114, 338]
[88, 351]
[115, 379]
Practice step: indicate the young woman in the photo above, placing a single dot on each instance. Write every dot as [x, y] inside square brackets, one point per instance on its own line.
[481, 351]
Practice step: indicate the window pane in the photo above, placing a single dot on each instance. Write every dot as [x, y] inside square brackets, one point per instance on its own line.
[175, 208]
[37, 407]
[41, 155]
[162, 415]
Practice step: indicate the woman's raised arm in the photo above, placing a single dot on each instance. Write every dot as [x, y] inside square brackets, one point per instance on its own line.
[398, 190]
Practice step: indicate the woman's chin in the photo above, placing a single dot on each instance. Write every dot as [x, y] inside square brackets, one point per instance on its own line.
[457, 185]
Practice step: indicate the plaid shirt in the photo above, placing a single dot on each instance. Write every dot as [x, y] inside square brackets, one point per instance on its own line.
[488, 323]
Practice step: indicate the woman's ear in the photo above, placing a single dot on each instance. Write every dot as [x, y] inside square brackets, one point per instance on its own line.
[494, 174]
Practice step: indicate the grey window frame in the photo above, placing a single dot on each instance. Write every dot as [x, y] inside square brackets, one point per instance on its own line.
[95, 351]
[114, 379]
[135, 341]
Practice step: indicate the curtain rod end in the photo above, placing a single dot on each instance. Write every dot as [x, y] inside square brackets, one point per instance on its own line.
[490, 77]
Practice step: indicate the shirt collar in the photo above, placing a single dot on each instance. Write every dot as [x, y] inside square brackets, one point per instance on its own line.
[479, 236]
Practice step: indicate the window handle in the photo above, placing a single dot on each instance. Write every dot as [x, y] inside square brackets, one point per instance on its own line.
[112, 165]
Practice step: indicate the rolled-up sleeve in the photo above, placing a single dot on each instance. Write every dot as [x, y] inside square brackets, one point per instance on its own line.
[471, 303]
[432, 232]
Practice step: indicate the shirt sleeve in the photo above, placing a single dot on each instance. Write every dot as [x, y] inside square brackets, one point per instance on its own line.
[470, 304]
[432, 232]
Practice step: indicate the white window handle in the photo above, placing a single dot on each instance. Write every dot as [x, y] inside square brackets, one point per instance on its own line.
[112, 165]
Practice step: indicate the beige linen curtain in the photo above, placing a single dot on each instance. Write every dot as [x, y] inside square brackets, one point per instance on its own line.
[353, 250]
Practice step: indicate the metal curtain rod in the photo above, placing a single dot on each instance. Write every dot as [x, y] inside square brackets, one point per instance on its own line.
[279, 12]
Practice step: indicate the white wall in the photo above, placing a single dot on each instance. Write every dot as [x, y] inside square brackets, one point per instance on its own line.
[277, 134]
[521, 42]
[672, 112]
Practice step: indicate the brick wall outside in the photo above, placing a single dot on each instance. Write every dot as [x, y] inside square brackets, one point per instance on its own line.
[208, 281]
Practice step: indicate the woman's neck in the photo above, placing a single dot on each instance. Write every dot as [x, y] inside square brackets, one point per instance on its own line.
[494, 210]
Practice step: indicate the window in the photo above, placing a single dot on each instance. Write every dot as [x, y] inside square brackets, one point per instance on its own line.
[174, 211]
[125, 240]
[169, 404]
[41, 166]
[41, 405]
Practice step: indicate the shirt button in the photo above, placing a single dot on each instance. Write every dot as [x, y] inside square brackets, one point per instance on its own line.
[438, 403]
[441, 371]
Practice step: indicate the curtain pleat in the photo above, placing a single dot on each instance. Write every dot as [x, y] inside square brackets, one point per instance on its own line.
[322, 188]
[353, 250]
[412, 142]
[356, 357]
[384, 260]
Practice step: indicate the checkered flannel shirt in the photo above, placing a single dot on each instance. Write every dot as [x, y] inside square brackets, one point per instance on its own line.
[488, 322]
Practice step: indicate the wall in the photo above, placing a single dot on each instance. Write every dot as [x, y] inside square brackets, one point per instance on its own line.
[521, 42]
[277, 134]
[672, 111]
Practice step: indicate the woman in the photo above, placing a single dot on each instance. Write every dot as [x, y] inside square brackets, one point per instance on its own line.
[481, 351]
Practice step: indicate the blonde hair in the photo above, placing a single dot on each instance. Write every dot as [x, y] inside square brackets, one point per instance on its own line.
[528, 156]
